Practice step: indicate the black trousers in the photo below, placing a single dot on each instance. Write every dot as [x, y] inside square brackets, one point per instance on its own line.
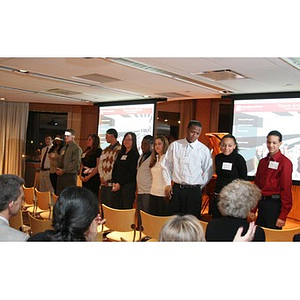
[185, 201]
[124, 198]
[65, 180]
[268, 213]
[158, 206]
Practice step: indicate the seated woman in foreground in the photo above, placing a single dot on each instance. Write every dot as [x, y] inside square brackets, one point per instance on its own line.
[237, 199]
[75, 217]
[187, 228]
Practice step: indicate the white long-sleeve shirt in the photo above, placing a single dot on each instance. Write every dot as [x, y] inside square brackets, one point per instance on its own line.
[187, 163]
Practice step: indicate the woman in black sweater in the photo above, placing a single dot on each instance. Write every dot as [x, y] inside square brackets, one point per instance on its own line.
[230, 165]
[124, 173]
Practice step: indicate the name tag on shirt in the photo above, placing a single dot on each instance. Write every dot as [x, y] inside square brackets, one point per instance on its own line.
[227, 166]
[185, 160]
[123, 157]
[62, 152]
[273, 165]
[52, 154]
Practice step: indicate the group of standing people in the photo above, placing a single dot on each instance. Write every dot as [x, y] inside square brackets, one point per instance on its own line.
[168, 178]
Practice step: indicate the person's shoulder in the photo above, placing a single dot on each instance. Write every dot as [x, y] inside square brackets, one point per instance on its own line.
[39, 237]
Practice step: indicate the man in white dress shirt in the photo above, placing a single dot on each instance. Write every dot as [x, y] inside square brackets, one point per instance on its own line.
[188, 163]
[11, 197]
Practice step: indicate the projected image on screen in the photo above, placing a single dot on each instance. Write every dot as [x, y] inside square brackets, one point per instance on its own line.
[254, 119]
[138, 118]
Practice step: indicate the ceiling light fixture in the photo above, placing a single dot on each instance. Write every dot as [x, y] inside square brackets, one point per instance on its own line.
[43, 94]
[147, 68]
[64, 80]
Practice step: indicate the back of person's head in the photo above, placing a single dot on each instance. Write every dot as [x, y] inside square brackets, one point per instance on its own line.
[73, 213]
[276, 133]
[113, 132]
[10, 189]
[238, 198]
[186, 228]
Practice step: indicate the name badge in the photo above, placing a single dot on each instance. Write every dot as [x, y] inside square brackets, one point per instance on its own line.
[273, 165]
[123, 157]
[83, 155]
[185, 160]
[63, 152]
[227, 166]
[52, 154]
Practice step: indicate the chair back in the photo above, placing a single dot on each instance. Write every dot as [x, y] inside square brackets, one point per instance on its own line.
[284, 235]
[16, 221]
[29, 195]
[43, 199]
[54, 198]
[37, 225]
[152, 224]
[204, 225]
[119, 219]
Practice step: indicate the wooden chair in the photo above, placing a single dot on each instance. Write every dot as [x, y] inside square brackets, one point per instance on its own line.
[47, 214]
[29, 199]
[284, 235]
[43, 202]
[151, 226]
[204, 225]
[121, 223]
[38, 225]
[16, 222]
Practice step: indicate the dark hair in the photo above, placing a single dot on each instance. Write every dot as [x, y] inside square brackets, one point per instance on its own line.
[96, 145]
[276, 133]
[149, 138]
[134, 146]
[56, 146]
[73, 213]
[10, 189]
[113, 132]
[230, 136]
[194, 123]
[153, 158]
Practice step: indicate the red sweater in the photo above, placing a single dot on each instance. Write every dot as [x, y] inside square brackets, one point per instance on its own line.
[276, 179]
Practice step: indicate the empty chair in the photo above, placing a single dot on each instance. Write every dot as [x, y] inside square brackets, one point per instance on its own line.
[151, 225]
[121, 223]
[38, 225]
[16, 222]
[284, 235]
[49, 214]
[43, 201]
[29, 199]
[203, 224]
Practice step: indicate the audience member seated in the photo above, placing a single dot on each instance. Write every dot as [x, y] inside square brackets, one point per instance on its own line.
[237, 199]
[11, 198]
[75, 217]
[187, 228]
[296, 238]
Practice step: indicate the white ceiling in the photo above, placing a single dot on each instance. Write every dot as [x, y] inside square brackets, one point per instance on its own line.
[47, 78]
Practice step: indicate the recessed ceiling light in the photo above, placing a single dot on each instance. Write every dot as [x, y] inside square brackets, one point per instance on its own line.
[2, 98]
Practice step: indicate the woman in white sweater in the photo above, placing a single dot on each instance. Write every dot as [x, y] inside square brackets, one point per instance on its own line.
[158, 201]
